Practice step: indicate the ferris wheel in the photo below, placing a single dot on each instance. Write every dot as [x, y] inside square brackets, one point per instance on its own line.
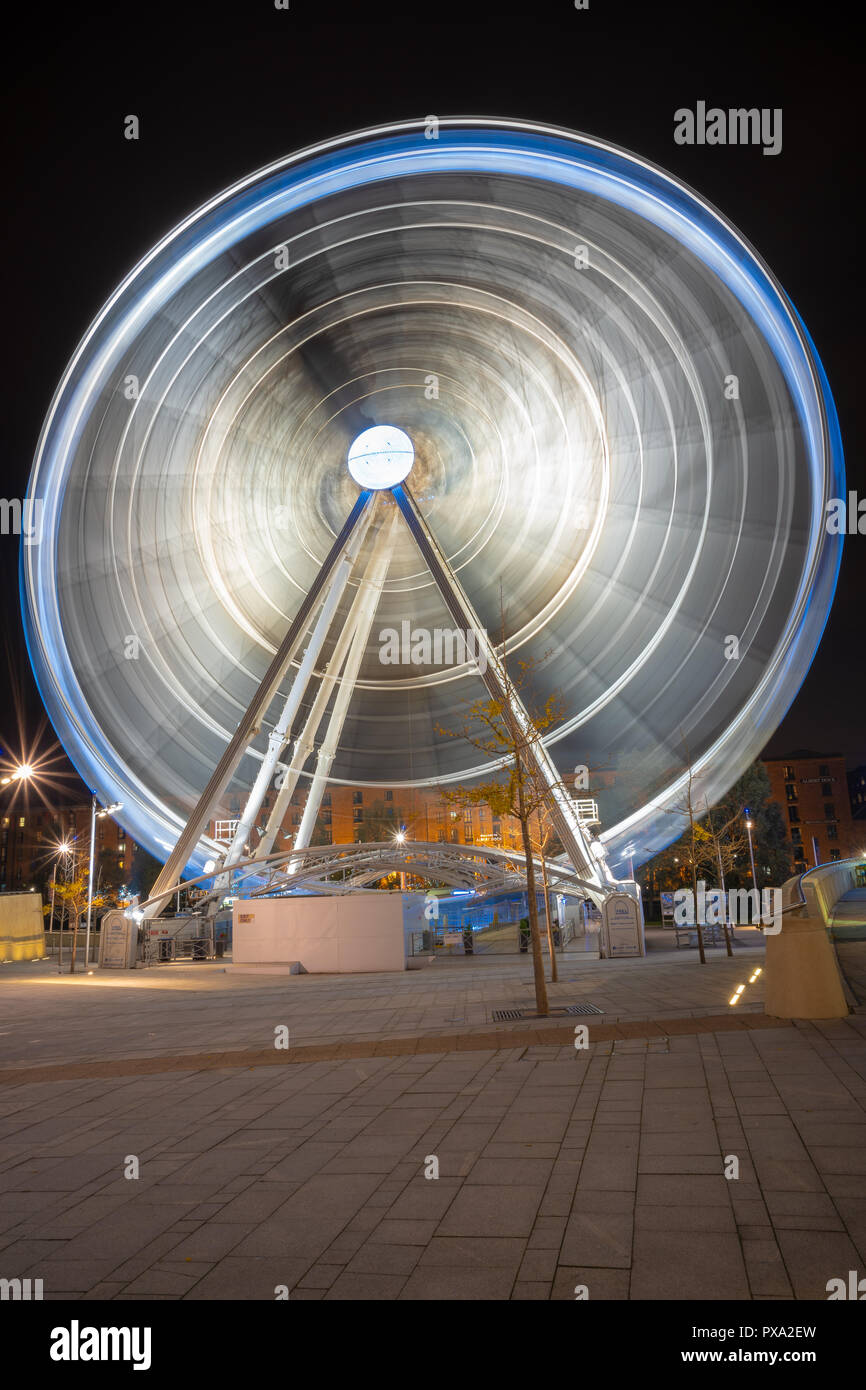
[469, 375]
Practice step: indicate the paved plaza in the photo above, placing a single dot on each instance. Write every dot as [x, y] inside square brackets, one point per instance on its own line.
[558, 1168]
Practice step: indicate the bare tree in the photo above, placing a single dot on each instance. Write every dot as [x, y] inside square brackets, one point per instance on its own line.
[491, 728]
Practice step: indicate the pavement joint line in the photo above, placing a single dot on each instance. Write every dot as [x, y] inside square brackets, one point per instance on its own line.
[555, 1035]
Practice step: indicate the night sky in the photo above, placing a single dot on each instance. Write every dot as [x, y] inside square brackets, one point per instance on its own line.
[222, 91]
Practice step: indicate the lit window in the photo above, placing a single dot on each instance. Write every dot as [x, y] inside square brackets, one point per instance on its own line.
[21, 822]
[120, 863]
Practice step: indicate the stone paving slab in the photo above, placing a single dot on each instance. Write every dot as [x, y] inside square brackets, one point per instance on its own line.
[553, 1035]
[558, 1170]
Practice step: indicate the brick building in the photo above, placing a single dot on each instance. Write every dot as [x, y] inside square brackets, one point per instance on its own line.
[349, 815]
[30, 840]
[857, 794]
[812, 790]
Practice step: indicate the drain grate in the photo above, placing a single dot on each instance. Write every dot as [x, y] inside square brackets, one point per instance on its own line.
[583, 1009]
[506, 1015]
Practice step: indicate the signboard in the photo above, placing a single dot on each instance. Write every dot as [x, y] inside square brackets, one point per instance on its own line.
[622, 928]
[118, 942]
[667, 902]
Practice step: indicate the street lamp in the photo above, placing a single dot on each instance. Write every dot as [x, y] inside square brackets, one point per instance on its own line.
[400, 838]
[20, 774]
[106, 811]
[748, 814]
[62, 850]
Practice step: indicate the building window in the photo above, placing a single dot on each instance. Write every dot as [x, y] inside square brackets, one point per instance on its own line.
[357, 798]
[389, 810]
[826, 789]
[834, 854]
[797, 836]
[21, 822]
[791, 792]
[296, 818]
[120, 863]
[832, 831]
[389, 794]
[799, 853]
[789, 773]
[455, 835]
[326, 818]
[793, 815]
[823, 770]
[358, 813]
[829, 810]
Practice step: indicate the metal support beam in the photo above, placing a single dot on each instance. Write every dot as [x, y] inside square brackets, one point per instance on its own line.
[371, 588]
[304, 743]
[277, 738]
[249, 724]
[495, 677]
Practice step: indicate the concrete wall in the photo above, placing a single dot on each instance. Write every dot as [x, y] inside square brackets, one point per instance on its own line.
[823, 887]
[347, 934]
[802, 977]
[22, 933]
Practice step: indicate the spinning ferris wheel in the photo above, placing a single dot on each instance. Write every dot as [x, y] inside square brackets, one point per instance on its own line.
[604, 419]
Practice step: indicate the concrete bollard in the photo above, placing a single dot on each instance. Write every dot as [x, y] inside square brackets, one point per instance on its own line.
[802, 978]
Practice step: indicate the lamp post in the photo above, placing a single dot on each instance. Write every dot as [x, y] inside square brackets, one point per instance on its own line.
[107, 811]
[61, 850]
[751, 846]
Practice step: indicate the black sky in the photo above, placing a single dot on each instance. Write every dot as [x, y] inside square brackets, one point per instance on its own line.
[221, 91]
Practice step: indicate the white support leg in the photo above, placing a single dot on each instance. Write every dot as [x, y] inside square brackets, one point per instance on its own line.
[370, 592]
[277, 738]
[563, 810]
[249, 724]
[304, 743]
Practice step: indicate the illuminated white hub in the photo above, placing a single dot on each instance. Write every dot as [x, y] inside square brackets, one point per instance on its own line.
[380, 457]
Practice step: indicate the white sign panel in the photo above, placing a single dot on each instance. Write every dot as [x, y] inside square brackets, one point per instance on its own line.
[622, 927]
[118, 942]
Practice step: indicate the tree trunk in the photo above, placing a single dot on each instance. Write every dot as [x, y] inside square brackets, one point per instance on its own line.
[534, 934]
[554, 970]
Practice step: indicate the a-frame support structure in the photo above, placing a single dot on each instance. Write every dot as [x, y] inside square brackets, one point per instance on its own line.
[324, 595]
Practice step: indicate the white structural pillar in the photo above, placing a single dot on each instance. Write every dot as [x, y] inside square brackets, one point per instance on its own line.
[305, 742]
[371, 588]
[248, 727]
[592, 865]
[277, 737]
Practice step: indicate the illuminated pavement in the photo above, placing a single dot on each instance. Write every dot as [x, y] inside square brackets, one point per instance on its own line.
[201, 1008]
[602, 1167]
